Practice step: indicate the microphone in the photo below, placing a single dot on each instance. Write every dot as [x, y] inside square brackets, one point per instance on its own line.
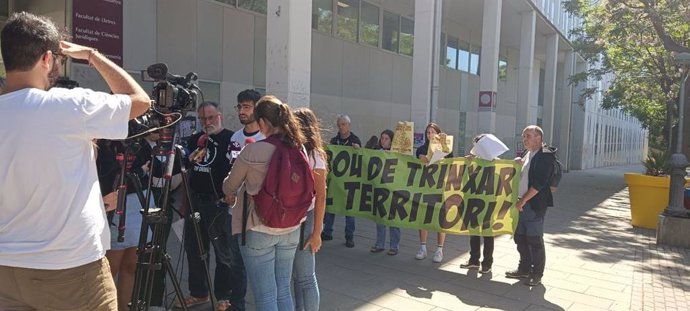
[200, 151]
[201, 142]
[234, 149]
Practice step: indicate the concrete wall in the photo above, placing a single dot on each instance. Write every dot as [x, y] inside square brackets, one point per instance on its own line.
[371, 85]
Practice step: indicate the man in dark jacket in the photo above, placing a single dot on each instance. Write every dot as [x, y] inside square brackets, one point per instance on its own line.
[535, 197]
[344, 138]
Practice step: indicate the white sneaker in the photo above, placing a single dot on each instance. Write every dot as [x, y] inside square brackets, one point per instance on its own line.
[421, 253]
[438, 255]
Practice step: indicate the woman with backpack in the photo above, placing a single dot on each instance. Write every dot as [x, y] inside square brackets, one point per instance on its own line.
[304, 269]
[268, 240]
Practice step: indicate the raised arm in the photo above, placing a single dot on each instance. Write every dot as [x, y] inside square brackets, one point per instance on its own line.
[119, 81]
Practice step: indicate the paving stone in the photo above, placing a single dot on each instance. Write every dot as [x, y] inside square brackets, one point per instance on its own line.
[595, 261]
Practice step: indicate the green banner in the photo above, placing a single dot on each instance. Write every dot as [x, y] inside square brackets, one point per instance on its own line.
[455, 196]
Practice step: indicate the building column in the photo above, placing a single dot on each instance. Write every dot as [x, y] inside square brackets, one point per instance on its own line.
[566, 109]
[288, 51]
[550, 74]
[488, 77]
[425, 65]
[525, 71]
[583, 131]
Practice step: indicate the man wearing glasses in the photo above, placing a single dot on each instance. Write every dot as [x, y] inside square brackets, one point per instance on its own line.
[209, 166]
[246, 100]
[53, 228]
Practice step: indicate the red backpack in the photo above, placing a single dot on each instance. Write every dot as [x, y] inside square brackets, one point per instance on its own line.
[288, 189]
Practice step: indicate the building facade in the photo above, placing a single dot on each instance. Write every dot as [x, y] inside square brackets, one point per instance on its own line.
[472, 66]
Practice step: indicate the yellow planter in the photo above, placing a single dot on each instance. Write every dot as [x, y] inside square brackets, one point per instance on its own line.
[648, 198]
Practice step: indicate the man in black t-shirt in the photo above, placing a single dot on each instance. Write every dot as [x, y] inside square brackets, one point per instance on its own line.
[345, 138]
[208, 167]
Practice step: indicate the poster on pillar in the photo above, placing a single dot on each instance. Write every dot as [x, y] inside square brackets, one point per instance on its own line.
[487, 101]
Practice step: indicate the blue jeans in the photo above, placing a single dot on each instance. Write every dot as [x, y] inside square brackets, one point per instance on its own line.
[529, 238]
[381, 237]
[304, 273]
[230, 280]
[268, 259]
[329, 219]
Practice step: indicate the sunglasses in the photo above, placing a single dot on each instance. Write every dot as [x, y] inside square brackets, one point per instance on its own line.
[59, 56]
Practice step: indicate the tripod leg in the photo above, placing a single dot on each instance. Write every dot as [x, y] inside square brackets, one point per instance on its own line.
[203, 253]
[175, 282]
[197, 254]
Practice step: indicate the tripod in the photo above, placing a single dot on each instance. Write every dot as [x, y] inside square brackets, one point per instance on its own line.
[152, 256]
[125, 160]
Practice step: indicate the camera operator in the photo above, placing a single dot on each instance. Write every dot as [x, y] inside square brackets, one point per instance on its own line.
[53, 223]
[208, 168]
[122, 256]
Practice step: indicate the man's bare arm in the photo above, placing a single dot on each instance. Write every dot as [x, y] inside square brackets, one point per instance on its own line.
[119, 81]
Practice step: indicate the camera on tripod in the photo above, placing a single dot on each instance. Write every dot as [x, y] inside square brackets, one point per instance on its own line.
[172, 94]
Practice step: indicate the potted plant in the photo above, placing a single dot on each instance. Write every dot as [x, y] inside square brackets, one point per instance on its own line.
[649, 192]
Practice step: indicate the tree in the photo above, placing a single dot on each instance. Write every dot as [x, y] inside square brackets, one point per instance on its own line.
[635, 40]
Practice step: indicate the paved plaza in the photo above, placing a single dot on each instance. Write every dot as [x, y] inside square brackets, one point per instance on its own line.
[595, 261]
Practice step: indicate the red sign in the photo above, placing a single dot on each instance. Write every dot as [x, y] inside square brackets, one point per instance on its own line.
[487, 101]
[98, 24]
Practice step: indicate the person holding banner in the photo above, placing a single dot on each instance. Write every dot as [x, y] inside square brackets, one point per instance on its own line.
[344, 138]
[385, 142]
[535, 197]
[305, 286]
[431, 130]
[372, 143]
[488, 147]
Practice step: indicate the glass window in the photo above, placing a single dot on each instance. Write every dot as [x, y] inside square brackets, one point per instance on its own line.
[322, 15]
[211, 91]
[406, 36]
[474, 60]
[348, 14]
[230, 2]
[464, 56]
[146, 85]
[452, 53]
[502, 69]
[258, 6]
[369, 24]
[391, 30]
[4, 8]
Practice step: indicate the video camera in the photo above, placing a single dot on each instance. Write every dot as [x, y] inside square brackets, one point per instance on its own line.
[172, 94]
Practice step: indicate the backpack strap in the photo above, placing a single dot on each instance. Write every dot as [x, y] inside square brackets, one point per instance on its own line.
[245, 215]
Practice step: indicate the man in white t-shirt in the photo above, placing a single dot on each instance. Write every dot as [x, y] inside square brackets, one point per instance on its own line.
[53, 231]
[246, 100]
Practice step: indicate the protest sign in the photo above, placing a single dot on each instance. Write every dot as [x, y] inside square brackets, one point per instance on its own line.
[456, 196]
[403, 140]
